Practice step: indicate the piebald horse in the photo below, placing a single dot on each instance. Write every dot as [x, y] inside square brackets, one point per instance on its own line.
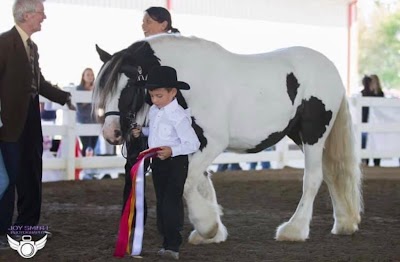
[244, 103]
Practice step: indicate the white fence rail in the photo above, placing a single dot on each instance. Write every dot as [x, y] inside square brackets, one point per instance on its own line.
[283, 154]
[383, 126]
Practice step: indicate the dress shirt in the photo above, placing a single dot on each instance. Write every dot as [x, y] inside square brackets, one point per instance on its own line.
[24, 37]
[171, 126]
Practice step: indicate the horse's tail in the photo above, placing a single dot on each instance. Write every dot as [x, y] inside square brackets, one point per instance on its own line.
[342, 167]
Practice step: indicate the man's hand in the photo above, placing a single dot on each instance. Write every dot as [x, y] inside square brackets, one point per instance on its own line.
[69, 104]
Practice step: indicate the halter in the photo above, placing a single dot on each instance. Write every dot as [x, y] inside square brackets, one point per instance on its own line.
[131, 114]
[112, 113]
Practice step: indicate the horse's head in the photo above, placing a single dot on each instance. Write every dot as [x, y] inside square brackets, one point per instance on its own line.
[118, 89]
[118, 92]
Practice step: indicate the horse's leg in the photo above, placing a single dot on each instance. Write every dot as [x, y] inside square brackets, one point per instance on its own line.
[346, 221]
[342, 174]
[204, 211]
[298, 227]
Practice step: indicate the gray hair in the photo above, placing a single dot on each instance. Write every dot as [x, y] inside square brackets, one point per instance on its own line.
[21, 7]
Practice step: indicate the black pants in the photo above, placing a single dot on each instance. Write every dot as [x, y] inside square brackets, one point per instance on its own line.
[364, 137]
[169, 178]
[23, 161]
[88, 141]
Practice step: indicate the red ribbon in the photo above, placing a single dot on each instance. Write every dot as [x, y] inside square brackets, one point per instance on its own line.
[125, 224]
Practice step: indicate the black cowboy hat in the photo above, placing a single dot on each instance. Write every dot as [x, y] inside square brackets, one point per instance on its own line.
[164, 76]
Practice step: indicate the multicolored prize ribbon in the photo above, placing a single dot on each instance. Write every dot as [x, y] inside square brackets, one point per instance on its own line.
[135, 202]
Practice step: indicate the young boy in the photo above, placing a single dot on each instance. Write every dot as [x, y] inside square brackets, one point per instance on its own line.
[170, 128]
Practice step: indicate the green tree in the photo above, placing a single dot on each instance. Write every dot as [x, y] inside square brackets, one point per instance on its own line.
[379, 45]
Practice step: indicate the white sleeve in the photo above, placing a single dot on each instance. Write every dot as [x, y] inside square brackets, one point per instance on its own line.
[189, 140]
[145, 130]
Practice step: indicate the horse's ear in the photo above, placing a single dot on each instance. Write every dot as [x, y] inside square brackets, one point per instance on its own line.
[104, 56]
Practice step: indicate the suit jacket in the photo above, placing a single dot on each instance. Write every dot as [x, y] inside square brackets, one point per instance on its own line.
[16, 86]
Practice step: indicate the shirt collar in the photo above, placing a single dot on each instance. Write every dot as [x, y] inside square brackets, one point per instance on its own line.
[171, 106]
[24, 36]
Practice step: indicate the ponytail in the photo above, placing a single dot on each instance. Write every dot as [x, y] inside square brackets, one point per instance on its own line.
[174, 30]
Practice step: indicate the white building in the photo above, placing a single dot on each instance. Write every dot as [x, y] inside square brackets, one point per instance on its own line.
[73, 27]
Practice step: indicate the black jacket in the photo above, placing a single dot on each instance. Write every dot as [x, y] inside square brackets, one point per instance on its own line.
[15, 86]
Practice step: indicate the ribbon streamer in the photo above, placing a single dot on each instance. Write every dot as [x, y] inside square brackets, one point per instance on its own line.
[134, 202]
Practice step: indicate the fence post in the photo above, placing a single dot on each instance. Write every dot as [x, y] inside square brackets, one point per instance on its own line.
[357, 124]
[69, 120]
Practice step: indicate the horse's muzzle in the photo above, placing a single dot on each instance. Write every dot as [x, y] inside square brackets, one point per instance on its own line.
[114, 142]
[117, 133]
[117, 139]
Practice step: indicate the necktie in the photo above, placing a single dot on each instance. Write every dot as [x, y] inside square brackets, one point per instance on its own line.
[32, 57]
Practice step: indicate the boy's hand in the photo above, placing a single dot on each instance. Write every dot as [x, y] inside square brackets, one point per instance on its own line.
[164, 153]
[144, 152]
[136, 131]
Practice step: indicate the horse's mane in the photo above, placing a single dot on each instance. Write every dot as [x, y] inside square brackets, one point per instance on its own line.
[105, 82]
[139, 53]
[111, 71]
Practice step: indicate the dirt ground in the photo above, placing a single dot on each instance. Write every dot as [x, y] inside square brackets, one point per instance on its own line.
[83, 217]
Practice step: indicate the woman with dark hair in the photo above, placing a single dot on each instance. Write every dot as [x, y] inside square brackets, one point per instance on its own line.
[157, 20]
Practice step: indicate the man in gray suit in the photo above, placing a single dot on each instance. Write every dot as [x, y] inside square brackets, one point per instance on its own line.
[21, 83]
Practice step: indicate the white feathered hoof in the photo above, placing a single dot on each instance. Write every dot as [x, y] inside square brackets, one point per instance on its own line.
[341, 228]
[291, 232]
[196, 239]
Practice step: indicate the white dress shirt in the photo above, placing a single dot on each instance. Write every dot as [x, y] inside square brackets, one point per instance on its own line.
[171, 126]
[24, 37]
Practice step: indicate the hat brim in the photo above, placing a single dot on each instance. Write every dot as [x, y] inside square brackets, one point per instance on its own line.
[178, 85]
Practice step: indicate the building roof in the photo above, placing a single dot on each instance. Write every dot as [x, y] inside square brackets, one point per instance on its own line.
[313, 12]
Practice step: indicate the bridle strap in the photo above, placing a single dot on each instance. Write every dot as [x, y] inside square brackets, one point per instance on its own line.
[112, 113]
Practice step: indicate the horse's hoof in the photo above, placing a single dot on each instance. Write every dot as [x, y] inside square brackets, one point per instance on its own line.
[291, 232]
[344, 229]
[195, 238]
